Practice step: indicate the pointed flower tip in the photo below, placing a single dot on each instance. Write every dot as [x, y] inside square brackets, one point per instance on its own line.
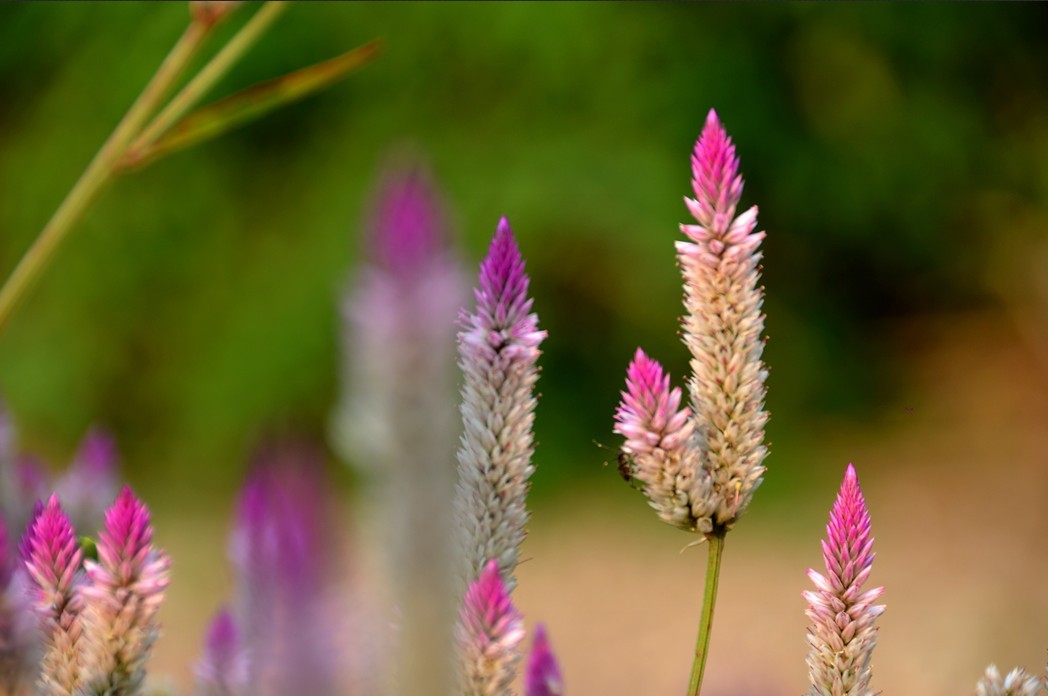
[222, 634]
[97, 454]
[542, 676]
[503, 291]
[407, 223]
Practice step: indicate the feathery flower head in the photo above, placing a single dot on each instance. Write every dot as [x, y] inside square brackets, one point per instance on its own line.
[723, 325]
[842, 636]
[1018, 683]
[542, 676]
[223, 668]
[52, 559]
[488, 634]
[498, 349]
[658, 440]
[122, 596]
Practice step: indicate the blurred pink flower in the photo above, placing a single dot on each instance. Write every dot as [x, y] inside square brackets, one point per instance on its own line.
[223, 668]
[842, 636]
[542, 675]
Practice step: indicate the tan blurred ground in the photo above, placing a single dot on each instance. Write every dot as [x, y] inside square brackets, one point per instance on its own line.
[955, 477]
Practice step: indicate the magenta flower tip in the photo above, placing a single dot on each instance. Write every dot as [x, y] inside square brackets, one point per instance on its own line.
[127, 529]
[715, 176]
[542, 676]
[503, 283]
[649, 415]
[407, 224]
[97, 454]
[51, 553]
[489, 633]
[223, 668]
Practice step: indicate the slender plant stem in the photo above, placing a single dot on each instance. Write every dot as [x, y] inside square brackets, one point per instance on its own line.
[204, 80]
[709, 599]
[98, 172]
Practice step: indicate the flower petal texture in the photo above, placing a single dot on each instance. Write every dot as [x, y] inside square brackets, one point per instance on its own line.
[1018, 682]
[842, 635]
[498, 351]
[658, 436]
[52, 559]
[488, 635]
[123, 593]
[542, 675]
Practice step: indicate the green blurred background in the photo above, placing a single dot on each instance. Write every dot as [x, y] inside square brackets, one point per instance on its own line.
[898, 153]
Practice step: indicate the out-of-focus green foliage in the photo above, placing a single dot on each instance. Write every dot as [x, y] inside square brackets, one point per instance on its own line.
[898, 153]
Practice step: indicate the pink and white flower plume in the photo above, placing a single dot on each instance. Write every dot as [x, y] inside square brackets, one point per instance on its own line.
[488, 636]
[1018, 682]
[498, 351]
[123, 593]
[721, 450]
[542, 674]
[658, 436]
[52, 558]
[842, 635]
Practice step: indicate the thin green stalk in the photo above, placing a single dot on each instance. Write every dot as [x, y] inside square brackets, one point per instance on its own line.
[98, 172]
[709, 599]
[204, 80]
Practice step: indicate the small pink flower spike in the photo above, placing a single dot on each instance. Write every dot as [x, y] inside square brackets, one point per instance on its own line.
[223, 668]
[498, 351]
[658, 442]
[715, 177]
[842, 636]
[407, 227]
[489, 634]
[542, 676]
[124, 591]
[52, 558]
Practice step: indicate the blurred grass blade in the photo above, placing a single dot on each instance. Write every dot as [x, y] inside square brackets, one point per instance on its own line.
[225, 114]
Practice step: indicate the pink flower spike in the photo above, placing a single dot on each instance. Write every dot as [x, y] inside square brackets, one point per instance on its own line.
[223, 668]
[498, 352]
[489, 633]
[842, 636]
[124, 591]
[52, 559]
[659, 448]
[542, 676]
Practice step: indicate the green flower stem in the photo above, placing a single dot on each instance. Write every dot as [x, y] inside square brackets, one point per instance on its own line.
[709, 599]
[98, 172]
[204, 80]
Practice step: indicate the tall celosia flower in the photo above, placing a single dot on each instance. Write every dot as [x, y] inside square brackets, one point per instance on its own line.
[842, 636]
[723, 325]
[498, 350]
[284, 548]
[393, 421]
[223, 668]
[52, 558]
[658, 442]
[1018, 683]
[715, 464]
[542, 675]
[124, 590]
[488, 636]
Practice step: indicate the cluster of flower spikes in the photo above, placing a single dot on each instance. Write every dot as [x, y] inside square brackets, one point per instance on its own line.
[97, 616]
[699, 466]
